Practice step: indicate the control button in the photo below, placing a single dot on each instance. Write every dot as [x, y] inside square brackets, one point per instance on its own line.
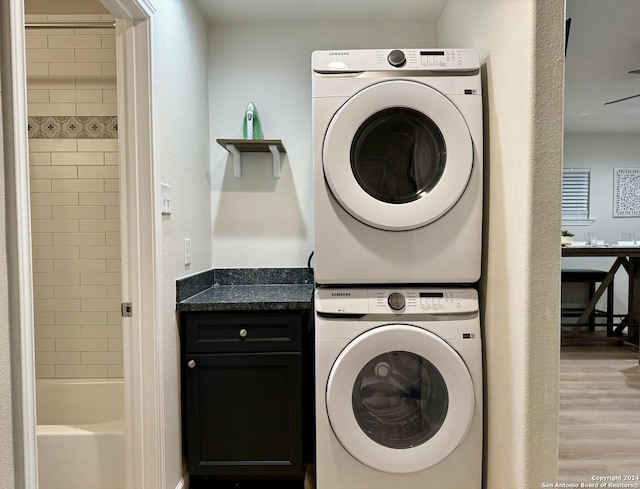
[396, 58]
[337, 65]
[396, 301]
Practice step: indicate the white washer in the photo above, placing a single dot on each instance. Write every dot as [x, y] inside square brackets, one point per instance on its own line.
[397, 151]
[398, 389]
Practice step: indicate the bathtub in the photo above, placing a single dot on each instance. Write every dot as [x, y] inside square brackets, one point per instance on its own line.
[80, 433]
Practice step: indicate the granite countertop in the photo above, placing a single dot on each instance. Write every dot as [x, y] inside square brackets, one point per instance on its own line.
[246, 289]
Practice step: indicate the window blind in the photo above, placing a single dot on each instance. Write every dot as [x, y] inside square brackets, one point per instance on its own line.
[575, 193]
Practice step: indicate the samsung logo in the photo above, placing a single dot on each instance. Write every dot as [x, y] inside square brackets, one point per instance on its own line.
[338, 53]
[340, 294]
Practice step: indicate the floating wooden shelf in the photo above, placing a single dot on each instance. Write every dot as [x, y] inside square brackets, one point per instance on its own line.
[238, 146]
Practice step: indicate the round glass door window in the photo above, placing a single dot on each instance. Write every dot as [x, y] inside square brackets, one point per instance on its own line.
[400, 400]
[398, 155]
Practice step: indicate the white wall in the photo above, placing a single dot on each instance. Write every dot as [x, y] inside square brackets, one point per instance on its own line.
[521, 51]
[183, 157]
[602, 153]
[259, 221]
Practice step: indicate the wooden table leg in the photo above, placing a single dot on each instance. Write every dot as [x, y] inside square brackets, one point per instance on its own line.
[634, 299]
[588, 310]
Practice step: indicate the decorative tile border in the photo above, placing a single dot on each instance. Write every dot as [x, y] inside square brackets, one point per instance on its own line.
[73, 127]
[626, 195]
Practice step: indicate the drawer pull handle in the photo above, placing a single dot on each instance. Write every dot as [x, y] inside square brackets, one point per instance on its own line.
[243, 333]
[191, 363]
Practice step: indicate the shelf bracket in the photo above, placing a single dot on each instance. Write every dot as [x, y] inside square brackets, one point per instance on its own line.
[238, 146]
[276, 160]
[237, 160]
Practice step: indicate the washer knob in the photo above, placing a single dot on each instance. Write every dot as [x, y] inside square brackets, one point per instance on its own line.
[396, 301]
[396, 58]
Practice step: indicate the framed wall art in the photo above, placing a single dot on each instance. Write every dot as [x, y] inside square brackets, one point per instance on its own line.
[626, 192]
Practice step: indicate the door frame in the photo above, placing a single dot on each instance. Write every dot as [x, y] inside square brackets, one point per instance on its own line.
[140, 239]
[18, 236]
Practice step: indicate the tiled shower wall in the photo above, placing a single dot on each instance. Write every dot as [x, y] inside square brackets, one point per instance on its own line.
[74, 199]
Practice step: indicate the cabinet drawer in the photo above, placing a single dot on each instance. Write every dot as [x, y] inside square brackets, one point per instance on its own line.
[264, 331]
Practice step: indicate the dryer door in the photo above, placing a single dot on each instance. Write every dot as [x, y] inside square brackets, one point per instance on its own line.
[397, 155]
[399, 399]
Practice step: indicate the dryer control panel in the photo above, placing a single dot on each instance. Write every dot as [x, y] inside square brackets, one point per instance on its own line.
[396, 301]
[356, 60]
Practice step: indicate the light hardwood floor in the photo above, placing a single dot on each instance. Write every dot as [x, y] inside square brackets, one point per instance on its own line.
[599, 430]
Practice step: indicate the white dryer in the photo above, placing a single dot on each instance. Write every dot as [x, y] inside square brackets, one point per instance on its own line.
[398, 389]
[397, 154]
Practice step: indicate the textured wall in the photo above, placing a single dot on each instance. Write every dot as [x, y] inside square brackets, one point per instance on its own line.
[520, 43]
[71, 91]
[183, 159]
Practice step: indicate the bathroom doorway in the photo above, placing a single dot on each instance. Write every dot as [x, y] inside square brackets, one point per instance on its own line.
[75, 235]
[140, 267]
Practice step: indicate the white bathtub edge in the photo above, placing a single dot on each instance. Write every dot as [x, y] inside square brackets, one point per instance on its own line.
[114, 427]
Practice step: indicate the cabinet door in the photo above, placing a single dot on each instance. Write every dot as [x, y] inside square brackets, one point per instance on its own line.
[244, 414]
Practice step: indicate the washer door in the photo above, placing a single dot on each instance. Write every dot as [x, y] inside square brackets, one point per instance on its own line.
[399, 399]
[397, 155]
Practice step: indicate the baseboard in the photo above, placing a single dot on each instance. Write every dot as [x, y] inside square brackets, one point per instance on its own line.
[183, 482]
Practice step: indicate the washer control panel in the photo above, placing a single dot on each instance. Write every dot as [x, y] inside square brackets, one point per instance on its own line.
[396, 301]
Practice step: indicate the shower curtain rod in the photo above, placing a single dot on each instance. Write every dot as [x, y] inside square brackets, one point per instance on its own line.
[69, 25]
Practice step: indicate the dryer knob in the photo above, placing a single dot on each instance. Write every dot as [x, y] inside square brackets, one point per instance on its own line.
[396, 301]
[396, 58]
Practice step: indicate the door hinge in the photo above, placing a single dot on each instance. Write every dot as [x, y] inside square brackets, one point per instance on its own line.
[126, 309]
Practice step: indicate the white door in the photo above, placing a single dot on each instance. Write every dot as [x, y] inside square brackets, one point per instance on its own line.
[399, 398]
[397, 155]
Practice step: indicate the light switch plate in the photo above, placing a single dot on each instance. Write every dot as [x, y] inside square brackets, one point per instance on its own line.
[187, 252]
[166, 199]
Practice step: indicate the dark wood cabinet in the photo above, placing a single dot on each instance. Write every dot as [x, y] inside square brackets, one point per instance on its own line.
[243, 394]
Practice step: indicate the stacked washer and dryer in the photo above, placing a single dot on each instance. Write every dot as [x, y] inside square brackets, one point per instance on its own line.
[397, 151]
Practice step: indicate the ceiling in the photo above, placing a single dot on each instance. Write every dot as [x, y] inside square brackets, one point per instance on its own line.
[225, 11]
[604, 45]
